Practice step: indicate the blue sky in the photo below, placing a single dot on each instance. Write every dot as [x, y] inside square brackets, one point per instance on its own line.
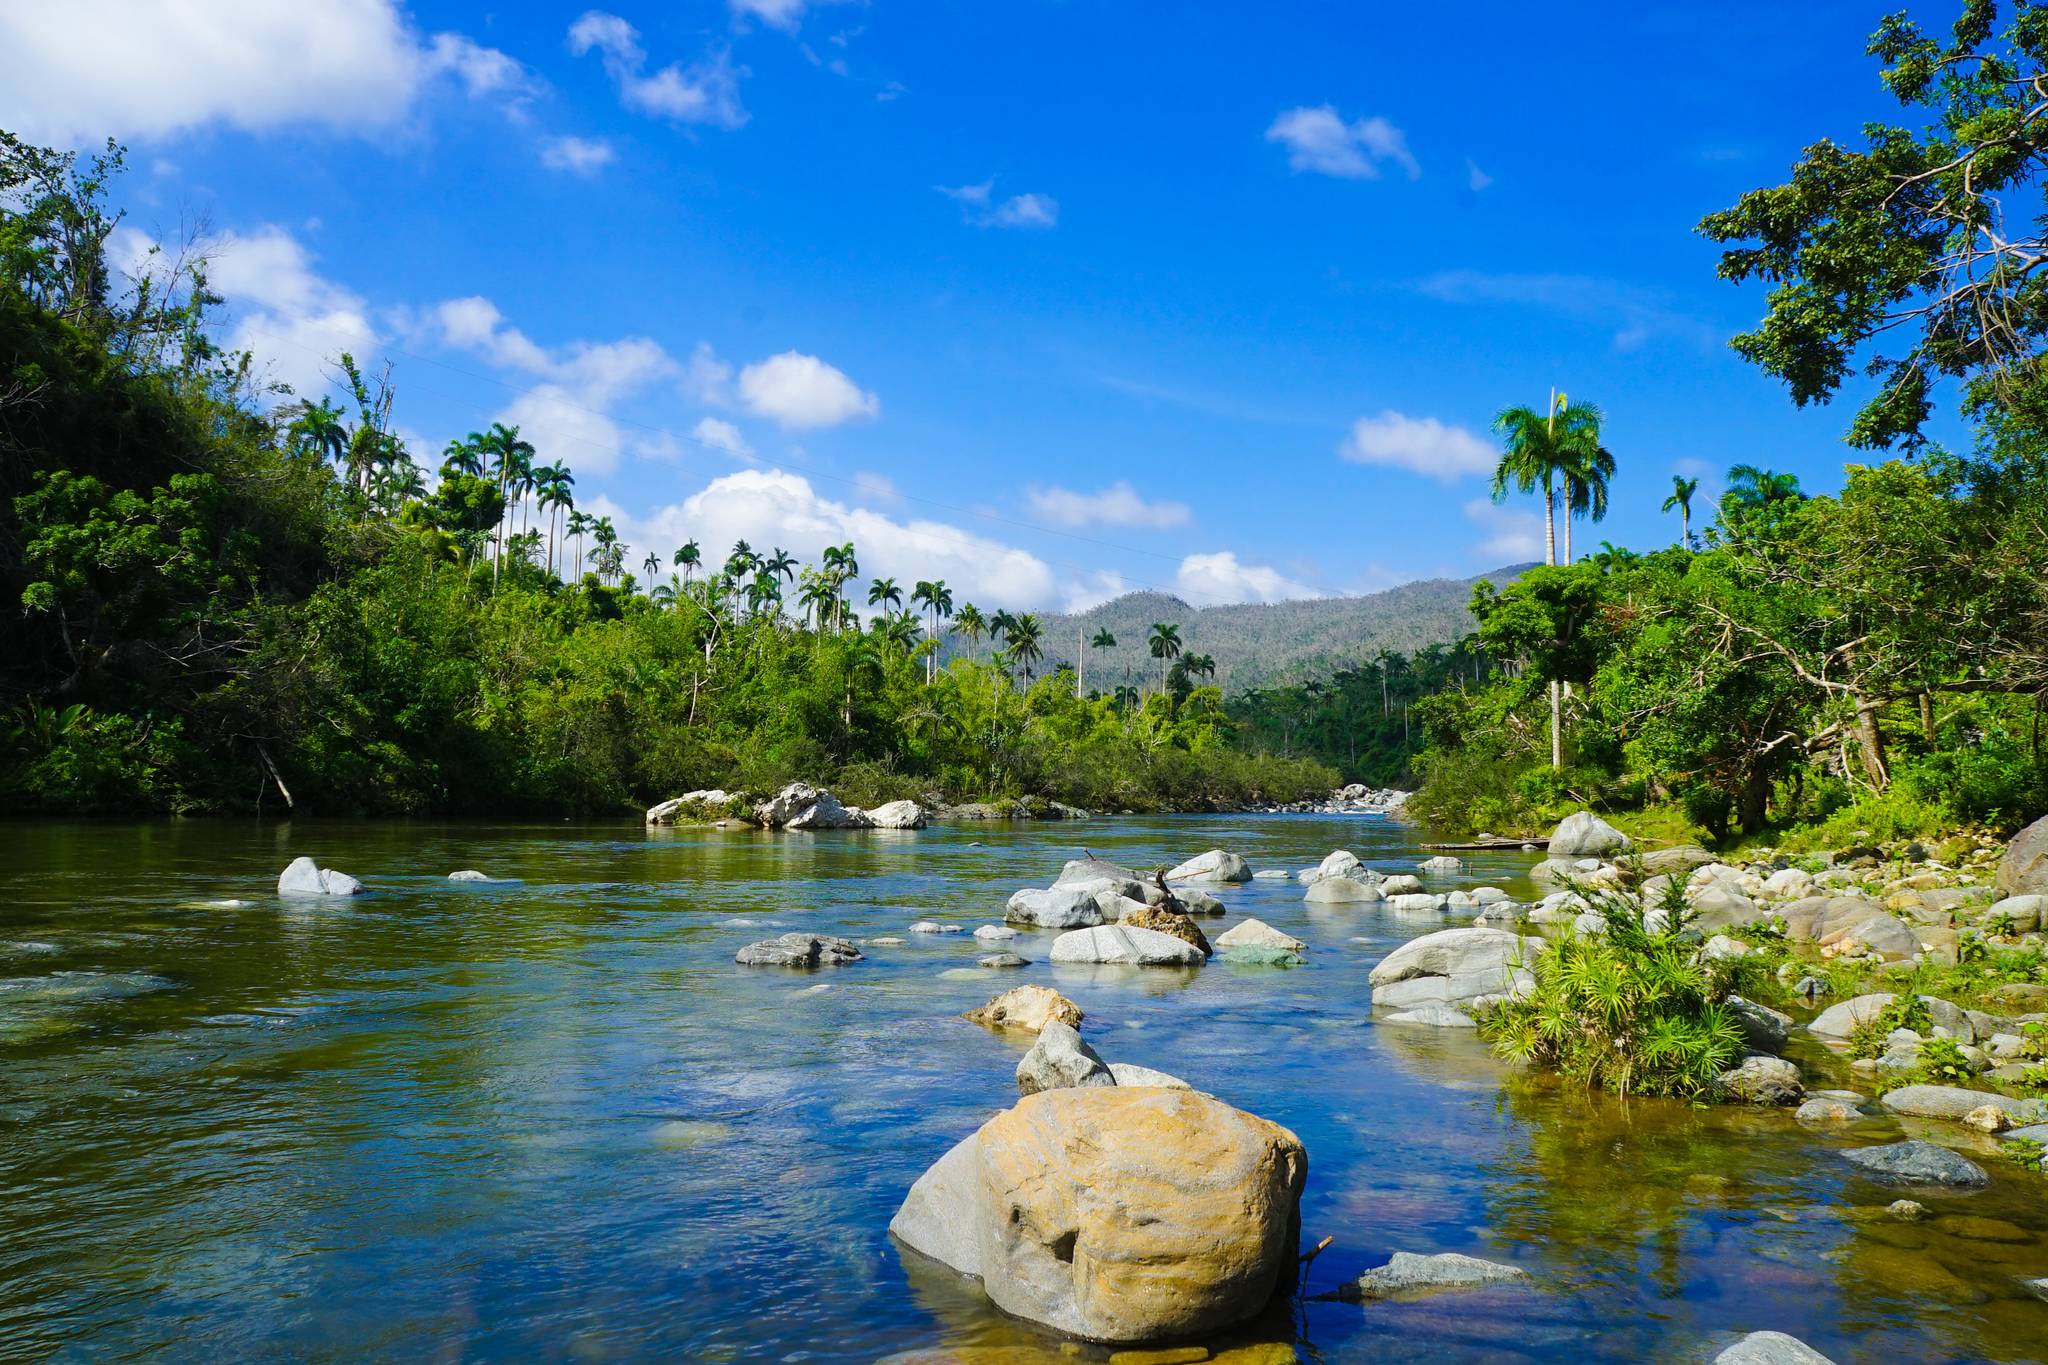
[1051, 300]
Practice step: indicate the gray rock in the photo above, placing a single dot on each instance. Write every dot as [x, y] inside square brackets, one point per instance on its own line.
[1453, 967]
[1771, 1348]
[1763, 1027]
[1761, 1080]
[1414, 903]
[307, 878]
[468, 874]
[1125, 945]
[1061, 1058]
[2027, 911]
[826, 812]
[1128, 1074]
[1257, 933]
[1216, 865]
[1400, 884]
[1061, 907]
[1343, 890]
[1002, 960]
[1839, 1021]
[1583, 834]
[897, 815]
[1821, 1109]
[1940, 1101]
[1196, 901]
[1906, 1210]
[1259, 955]
[995, 933]
[1409, 1273]
[932, 926]
[1079, 870]
[1433, 1016]
[798, 950]
[2024, 869]
[1918, 1163]
[1342, 863]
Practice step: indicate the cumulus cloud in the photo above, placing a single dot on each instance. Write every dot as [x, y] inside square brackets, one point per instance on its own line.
[1512, 535]
[875, 487]
[1319, 141]
[786, 15]
[774, 507]
[1216, 579]
[707, 92]
[576, 155]
[716, 434]
[980, 206]
[1117, 505]
[1422, 445]
[706, 376]
[800, 390]
[1092, 590]
[87, 69]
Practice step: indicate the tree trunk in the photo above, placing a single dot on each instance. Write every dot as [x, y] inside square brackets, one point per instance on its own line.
[1871, 742]
[1556, 729]
[1927, 718]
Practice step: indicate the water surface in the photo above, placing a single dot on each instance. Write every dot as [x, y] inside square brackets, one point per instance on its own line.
[548, 1118]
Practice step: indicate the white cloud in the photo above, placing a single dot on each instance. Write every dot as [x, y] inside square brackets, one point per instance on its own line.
[1476, 179]
[1638, 315]
[1321, 142]
[774, 507]
[706, 377]
[1117, 505]
[1512, 534]
[979, 206]
[800, 390]
[82, 70]
[707, 92]
[786, 15]
[875, 487]
[715, 434]
[1092, 590]
[577, 155]
[1422, 445]
[1215, 579]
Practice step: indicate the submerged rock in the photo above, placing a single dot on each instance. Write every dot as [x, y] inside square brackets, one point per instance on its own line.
[1342, 863]
[1822, 1109]
[1216, 865]
[1002, 960]
[1061, 1059]
[1061, 907]
[1771, 1348]
[1583, 834]
[1434, 1016]
[1761, 1080]
[1762, 1027]
[1942, 1101]
[1119, 945]
[932, 926]
[1117, 1214]
[1343, 889]
[1260, 955]
[1255, 933]
[307, 878]
[798, 950]
[1918, 1163]
[1409, 1273]
[1028, 1009]
[468, 874]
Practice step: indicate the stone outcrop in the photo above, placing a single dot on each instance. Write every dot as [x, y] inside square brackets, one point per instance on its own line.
[1028, 1009]
[1761, 1080]
[2024, 868]
[1454, 967]
[798, 950]
[897, 815]
[307, 878]
[1117, 1214]
[1840, 1020]
[708, 803]
[1918, 1163]
[1255, 933]
[1157, 917]
[1409, 1274]
[1771, 1348]
[1583, 834]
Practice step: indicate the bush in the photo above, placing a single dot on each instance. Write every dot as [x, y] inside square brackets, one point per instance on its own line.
[1631, 1010]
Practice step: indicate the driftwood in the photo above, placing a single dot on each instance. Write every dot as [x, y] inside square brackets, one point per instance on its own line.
[1540, 841]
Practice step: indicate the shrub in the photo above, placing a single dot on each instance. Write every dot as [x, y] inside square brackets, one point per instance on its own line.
[1630, 1010]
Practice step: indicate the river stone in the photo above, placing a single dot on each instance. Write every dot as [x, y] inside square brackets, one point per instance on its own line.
[1453, 967]
[1918, 1163]
[1938, 1101]
[798, 950]
[1259, 955]
[1214, 866]
[2024, 868]
[995, 933]
[1763, 1027]
[1840, 1020]
[1433, 1016]
[1079, 870]
[1342, 863]
[787, 804]
[1583, 834]
[1272, 874]
[1441, 863]
[1400, 884]
[1409, 1273]
[1973, 1228]
[1114, 943]
[1880, 933]
[1062, 907]
[1716, 907]
[932, 926]
[1127, 1073]
[1343, 890]
[826, 812]
[1759, 1079]
[307, 878]
[1256, 933]
[1821, 1109]
[1002, 960]
[2028, 911]
[468, 874]
[897, 815]
[1028, 1009]
[1158, 917]
[1414, 903]
[1117, 1214]
[1771, 1348]
[1060, 1058]
[1196, 901]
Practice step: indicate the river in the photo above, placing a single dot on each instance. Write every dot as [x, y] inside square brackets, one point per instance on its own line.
[548, 1118]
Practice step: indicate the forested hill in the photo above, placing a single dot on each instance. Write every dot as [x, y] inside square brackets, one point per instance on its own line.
[1261, 644]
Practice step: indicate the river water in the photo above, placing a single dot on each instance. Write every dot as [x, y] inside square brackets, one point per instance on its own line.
[548, 1118]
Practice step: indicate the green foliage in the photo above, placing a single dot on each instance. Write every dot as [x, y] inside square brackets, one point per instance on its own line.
[1942, 1062]
[2029, 1153]
[1908, 1010]
[1630, 1010]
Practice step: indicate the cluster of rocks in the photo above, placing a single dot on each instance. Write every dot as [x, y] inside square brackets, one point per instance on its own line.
[1114, 915]
[1356, 799]
[305, 877]
[1341, 879]
[801, 805]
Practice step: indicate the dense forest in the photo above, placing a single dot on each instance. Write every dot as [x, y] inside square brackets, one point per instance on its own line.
[231, 598]
[1832, 668]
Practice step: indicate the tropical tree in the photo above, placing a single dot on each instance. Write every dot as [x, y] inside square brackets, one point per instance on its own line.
[781, 563]
[652, 564]
[883, 593]
[1587, 468]
[1024, 634]
[688, 558]
[1752, 489]
[608, 556]
[318, 432]
[580, 525]
[1164, 642]
[507, 455]
[1102, 639]
[841, 565]
[937, 600]
[555, 498]
[1682, 490]
[972, 624]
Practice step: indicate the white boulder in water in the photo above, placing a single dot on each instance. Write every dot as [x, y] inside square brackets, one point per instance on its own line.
[1125, 945]
[1217, 865]
[897, 815]
[1583, 834]
[307, 878]
[468, 874]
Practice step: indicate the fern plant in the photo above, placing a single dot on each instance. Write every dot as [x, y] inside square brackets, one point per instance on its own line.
[1631, 1010]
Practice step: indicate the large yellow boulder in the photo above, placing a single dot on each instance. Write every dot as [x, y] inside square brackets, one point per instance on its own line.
[1117, 1214]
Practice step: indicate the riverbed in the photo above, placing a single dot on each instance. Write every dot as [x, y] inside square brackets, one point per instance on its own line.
[548, 1118]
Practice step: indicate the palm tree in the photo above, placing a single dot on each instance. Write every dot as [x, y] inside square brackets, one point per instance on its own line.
[1164, 642]
[1750, 488]
[555, 483]
[1682, 490]
[884, 593]
[814, 596]
[1198, 665]
[1102, 639]
[607, 540]
[1588, 466]
[462, 457]
[1024, 635]
[1536, 454]
[579, 525]
[840, 566]
[782, 564]
[688, 558]
[509, 455]
[937, 600]
[318, 431]
[971, 623]
[652, 564]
